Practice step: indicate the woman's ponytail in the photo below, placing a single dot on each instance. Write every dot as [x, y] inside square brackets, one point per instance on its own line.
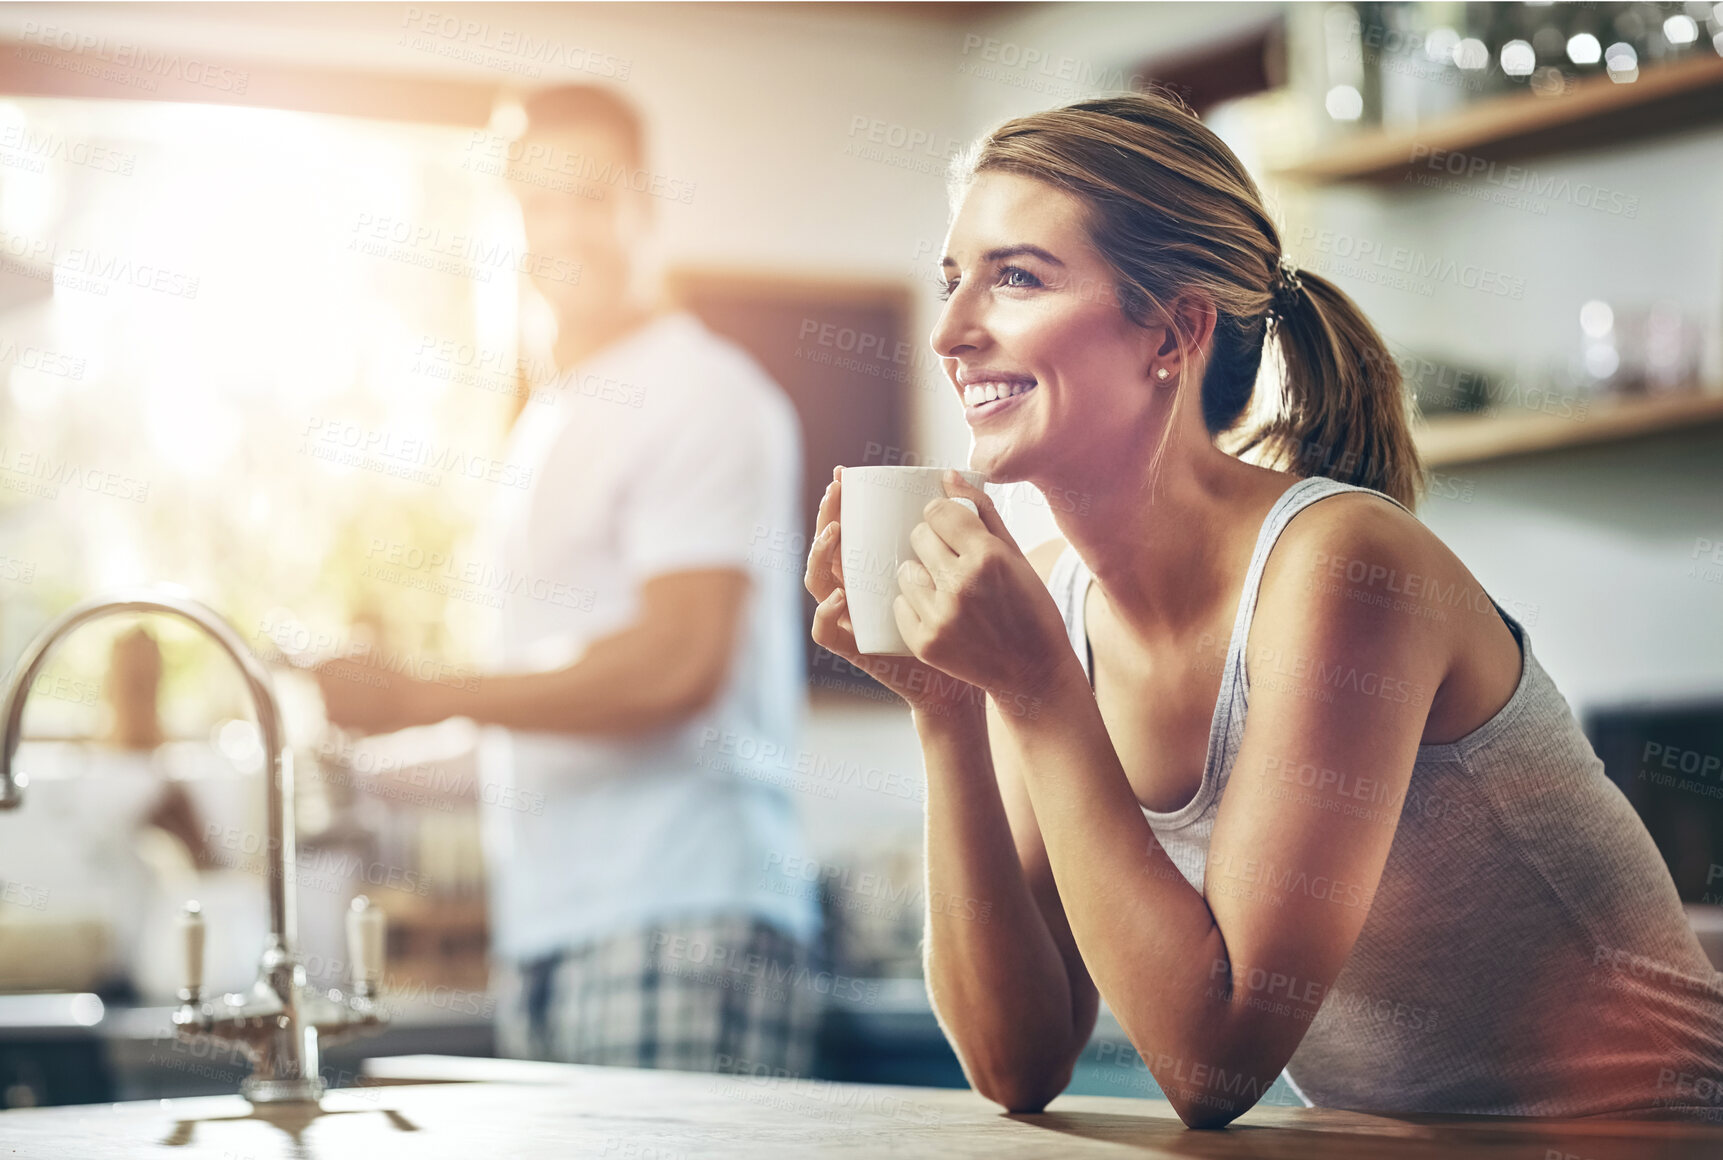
[1344, 412]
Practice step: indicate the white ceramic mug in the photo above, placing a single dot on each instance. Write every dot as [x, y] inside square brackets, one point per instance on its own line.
[879, 509]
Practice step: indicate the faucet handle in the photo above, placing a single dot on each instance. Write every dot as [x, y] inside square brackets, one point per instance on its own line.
[365, 930]
[191, 929]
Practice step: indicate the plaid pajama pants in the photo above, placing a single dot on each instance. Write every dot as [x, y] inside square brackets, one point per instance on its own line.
[726, 993]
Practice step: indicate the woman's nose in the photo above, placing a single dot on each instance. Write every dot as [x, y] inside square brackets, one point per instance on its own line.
[957, 331]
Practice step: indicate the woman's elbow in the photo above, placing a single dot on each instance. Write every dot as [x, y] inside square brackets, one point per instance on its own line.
[1203, 1110]
[1201, 1117]
[1018, 1093]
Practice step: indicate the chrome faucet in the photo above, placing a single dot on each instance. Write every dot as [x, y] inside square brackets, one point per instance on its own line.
[282, 1022]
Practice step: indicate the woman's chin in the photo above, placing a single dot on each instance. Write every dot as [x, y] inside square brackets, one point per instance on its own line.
[995, 459]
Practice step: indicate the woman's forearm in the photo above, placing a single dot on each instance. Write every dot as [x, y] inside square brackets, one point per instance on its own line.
[998, 982]
[1148, 938]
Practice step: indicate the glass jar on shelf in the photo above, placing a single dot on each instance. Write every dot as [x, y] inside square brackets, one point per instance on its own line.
[1587, 32]
[1426, 81]
[1486, 28]
[1349, 46]
[1401, 70]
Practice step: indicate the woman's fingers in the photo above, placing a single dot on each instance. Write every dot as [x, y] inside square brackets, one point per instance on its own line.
[819, 579]
[836, 570]
[916, 585]
[986, 512]
[933, 552]
[832, 630]
[835, 492]
[829, 508]
[909, 623]
[825, 571]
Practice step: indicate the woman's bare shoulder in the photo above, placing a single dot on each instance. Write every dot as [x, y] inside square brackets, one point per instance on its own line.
[1367, 526]
[1042, 557]
[1377, 559]
[1360, 538]
[1396, 578]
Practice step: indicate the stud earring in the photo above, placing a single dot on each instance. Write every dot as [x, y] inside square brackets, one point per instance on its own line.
[1162, 373]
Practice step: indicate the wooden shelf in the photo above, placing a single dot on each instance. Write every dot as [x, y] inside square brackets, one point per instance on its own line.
[1593, 112]
[1447, 440]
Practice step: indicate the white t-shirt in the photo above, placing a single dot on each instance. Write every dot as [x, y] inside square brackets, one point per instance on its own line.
[667, 451]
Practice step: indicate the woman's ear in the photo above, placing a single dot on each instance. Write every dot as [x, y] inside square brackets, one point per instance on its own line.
[1165, 355]
[1195, 317]
[1187, 329]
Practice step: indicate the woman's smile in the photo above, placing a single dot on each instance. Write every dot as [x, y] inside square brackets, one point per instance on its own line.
[987, 395]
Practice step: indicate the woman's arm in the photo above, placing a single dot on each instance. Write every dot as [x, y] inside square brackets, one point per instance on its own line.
[1288, 886]
[1149, 940]
[1004, 974]
[1007, 983]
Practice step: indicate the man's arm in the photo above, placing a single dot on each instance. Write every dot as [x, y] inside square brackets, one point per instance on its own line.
[664, 667]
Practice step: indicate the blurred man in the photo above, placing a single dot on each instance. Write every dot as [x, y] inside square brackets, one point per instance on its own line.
[649, 690]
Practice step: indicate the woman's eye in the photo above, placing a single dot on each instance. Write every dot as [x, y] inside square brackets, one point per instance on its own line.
[1011, 277]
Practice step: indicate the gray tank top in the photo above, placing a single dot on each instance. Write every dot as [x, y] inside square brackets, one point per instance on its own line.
[1526, 952]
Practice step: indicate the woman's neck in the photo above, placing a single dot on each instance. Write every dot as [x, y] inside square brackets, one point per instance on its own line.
[1166, 551]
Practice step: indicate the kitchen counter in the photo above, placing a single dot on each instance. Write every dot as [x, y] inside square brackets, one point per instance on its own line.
[429, 1106]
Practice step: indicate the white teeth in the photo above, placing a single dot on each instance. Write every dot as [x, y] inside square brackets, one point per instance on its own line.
[975, 394]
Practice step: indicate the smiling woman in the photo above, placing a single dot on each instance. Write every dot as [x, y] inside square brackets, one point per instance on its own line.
[1275, 777]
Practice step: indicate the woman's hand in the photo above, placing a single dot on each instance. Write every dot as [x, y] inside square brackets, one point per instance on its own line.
[925, 688]
[973, 607]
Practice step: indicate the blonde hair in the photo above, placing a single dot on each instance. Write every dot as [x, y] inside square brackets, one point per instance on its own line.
[1171, 210]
